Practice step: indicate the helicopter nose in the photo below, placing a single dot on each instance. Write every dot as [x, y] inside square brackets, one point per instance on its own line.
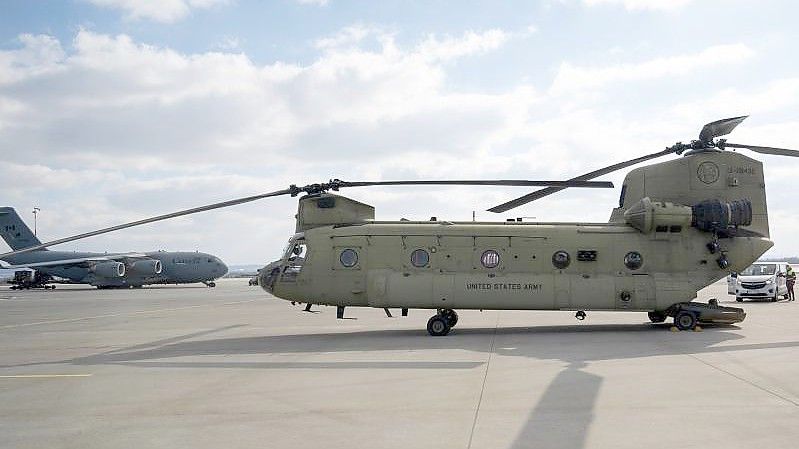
[267, 276]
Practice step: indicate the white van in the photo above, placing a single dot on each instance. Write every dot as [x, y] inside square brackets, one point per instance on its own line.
[760, 280]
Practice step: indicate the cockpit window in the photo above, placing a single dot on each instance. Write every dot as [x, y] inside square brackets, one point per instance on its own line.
[295, 247]
[621, 197]
[294, 256]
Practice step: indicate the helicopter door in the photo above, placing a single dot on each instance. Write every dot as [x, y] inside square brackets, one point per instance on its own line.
[348, 263]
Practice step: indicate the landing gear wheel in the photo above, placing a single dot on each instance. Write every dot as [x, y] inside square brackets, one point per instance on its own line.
[437, 326]
[212, 284]
[451, 316]
[684, 320]
[657, 317]
[739, 299]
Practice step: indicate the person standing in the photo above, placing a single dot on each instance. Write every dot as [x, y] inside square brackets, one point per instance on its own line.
[790, 279]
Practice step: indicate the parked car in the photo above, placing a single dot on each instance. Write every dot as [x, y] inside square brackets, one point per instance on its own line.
[760, 280]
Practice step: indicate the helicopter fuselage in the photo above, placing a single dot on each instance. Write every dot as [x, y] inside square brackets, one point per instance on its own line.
[519, 266]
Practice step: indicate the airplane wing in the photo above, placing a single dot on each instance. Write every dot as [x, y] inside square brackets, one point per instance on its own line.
[76, 261]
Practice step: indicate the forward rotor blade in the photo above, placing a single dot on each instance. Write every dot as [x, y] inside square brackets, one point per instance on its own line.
[497, 182]
[193, 210]
[764, 150]
[720, 128]
[504, 207]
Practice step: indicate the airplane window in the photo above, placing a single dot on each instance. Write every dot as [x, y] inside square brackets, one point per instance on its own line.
[420, 258]
[348, 258]
[633, 260]
[561, 259]
[490, 259]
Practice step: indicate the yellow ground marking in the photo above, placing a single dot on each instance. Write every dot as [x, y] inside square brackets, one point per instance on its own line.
[41, 376]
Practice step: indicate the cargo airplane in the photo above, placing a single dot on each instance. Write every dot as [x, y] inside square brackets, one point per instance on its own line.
[103, 270]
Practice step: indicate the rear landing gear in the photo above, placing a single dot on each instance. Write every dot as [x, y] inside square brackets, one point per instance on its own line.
[685, 320]
[442, 322]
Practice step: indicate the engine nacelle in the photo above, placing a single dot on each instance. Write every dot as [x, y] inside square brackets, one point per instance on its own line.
[659, 216]
[146, 267]
[715, 216]
[109, 269]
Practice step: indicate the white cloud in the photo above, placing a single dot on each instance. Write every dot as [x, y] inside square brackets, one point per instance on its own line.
[471, 43]
[637, 5]
[40, 54]
[574, 78]
[132, 130]
[166, 11]
[313, 2]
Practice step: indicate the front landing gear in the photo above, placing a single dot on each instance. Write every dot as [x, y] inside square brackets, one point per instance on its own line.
[440, 324]
[210, 283]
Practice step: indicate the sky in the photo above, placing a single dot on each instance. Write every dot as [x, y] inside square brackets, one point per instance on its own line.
[116, 110]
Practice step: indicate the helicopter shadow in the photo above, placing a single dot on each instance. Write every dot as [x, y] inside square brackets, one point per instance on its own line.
[564, 411]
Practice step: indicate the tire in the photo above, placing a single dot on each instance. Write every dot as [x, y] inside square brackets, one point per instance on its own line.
[739, 299]
[437, 326]
[657, 317]
[685, 320]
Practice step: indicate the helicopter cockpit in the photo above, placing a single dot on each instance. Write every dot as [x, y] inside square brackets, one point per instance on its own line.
[288, 267]
[294, 257]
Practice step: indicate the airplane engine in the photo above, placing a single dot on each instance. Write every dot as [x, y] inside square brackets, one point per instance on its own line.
[146, 267]
[109, 269]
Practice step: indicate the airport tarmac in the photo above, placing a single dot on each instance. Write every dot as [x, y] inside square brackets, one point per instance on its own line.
[231, 367]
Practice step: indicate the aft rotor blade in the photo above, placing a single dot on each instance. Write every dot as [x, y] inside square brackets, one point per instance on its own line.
[193, 210]
[764, 150]
[590, 175]
[720, 128]
[497, 182]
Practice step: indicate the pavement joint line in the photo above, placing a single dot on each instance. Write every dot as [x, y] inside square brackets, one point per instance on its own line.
[747, 381]
[41, 376]
[111, 315]
[483, 387]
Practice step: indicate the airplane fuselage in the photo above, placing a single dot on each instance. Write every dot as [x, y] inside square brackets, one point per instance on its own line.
[176, 268]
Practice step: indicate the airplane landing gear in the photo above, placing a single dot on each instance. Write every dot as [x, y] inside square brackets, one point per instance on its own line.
[210, 284]
[580, 315]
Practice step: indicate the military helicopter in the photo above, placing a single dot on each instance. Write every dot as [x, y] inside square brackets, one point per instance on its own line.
[680, 225]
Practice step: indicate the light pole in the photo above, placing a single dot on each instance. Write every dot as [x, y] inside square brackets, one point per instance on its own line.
[36, 210]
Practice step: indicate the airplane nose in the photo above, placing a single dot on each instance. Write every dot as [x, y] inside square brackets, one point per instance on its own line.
[223, 268]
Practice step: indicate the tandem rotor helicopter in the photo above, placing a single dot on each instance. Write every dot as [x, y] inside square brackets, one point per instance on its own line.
[680, 225]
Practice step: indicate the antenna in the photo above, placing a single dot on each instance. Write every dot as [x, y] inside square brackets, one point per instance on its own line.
[35, 212]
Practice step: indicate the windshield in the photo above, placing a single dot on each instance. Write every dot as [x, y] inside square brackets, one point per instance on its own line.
[290, 250]
[760, 269]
